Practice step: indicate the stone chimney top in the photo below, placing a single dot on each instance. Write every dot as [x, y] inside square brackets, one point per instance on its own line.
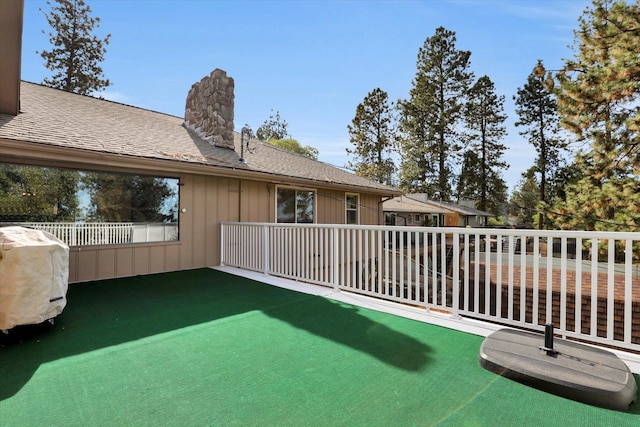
[209, 109]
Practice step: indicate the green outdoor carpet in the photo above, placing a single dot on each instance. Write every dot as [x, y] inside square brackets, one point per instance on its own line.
[202, 347]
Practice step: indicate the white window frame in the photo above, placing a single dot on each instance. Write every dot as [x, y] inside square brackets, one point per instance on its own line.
[84, 225]
[347, 209]
[297, 189]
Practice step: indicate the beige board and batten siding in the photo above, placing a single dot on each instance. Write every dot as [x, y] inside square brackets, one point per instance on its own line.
[207, 201]
[331, 208]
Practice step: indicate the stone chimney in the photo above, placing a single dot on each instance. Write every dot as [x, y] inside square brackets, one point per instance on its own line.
[209, 109]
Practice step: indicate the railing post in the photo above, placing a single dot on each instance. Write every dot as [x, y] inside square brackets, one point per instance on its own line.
[611, 299]
[455, 303]
[266, 244]
[628, 296]
[336, 268]
[222, 240]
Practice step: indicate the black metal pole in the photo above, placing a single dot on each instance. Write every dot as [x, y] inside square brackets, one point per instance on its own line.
[548, 340]
[548, 336]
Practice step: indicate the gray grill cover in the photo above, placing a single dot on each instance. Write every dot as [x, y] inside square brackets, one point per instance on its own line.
[34, 276]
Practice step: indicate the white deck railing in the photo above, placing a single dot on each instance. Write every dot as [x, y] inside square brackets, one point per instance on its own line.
[586, 283]
[106, 233]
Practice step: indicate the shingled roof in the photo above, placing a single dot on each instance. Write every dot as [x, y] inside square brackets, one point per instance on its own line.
[463, 210]
[51, 117]
[404, 204]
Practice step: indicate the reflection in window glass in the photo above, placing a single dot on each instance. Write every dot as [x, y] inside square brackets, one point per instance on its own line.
[286, 205]
[389, 219]
[304, 208]
[295, 206]
[89, 208]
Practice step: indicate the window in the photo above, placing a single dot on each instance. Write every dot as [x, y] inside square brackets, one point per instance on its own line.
[416, 218]
[87, 207]
[389, 219]
[295, 206]
[351, 204]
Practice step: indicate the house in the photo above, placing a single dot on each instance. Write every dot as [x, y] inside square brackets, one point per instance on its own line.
[404, 210]
[135, 191]
[418, 210]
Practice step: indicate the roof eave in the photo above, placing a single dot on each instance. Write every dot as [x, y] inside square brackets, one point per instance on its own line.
[35, 153]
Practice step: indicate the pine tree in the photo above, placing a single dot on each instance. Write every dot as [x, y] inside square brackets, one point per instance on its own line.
[429, 118]
[76, 53]
[484, 116]
[372, 133]
[275, 131]
[599, 101]
[468, 188]
[273, 128]
[294, 146]
[525, 199]
[537, 113]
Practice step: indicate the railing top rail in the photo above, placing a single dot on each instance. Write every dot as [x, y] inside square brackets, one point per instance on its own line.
[516, 232]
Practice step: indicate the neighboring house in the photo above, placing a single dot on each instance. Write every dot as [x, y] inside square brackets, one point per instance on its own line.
[417, 210]
[139, 192]
[462, 216]
[406, 211]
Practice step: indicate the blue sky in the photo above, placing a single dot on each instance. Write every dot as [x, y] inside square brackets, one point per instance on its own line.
[313, 61]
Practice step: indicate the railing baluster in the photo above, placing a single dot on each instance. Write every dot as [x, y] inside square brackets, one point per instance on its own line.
[343, 254]
[443, 269]
[266, 244]
[578, 284]
[549, 292]
[523, 279]
[476, 273]
[417, 262]
[628, 286]
[406, 285]
[594, 287]
[466, 250]
[394, 261]
[336, 263]
[380, 244]
[510, 262]
[365, 263]
[610, 288]
[487, 275]
[536, 281]
[455, 280]
[400, 255]
[563, 284]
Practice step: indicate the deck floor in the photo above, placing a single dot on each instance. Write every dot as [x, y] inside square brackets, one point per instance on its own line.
[205, 347]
